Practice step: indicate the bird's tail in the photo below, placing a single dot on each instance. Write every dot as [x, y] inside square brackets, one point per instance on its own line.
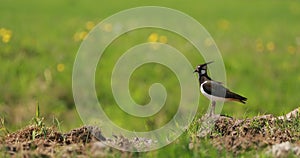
[241, 99]
[238, 98]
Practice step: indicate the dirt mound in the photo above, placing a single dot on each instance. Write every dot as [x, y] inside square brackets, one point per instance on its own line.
[86, 141]
[49, 142]
[239, 135]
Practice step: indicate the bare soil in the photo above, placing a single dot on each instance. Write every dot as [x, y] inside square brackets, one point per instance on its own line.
[240, 135]
[48, 142]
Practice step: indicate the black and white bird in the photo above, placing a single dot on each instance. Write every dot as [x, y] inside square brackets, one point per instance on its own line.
[214, 90]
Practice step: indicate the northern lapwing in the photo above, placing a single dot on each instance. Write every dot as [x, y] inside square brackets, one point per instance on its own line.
[214, 90]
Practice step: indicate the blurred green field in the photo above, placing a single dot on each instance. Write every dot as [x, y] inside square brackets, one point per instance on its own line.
[259, 42]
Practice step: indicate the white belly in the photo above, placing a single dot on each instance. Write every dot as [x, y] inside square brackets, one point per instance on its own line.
[211, 97]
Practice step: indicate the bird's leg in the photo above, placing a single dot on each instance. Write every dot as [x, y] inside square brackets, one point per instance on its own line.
[213, 106]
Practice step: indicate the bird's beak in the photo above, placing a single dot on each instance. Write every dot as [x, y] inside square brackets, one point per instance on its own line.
[195, 71]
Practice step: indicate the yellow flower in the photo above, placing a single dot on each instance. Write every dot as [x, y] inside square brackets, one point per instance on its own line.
[5, 34]
[89, 25]
[82, 35]
[163, 39]
[270, 46]
[60, 67]
[291, 49]
[107, 27]
[208, 42]
[153, 37]
[79, 36]
[6, 38]
[224, 24]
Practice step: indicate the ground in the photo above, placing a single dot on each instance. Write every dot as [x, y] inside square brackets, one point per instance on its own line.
[277, 136]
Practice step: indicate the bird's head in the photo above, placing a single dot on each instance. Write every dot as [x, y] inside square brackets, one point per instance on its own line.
[202, 68]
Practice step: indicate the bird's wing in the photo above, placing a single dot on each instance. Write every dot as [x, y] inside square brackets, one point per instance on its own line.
[215, 88]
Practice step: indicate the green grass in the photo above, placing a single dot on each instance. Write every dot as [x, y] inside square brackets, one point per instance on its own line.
[42, 38]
